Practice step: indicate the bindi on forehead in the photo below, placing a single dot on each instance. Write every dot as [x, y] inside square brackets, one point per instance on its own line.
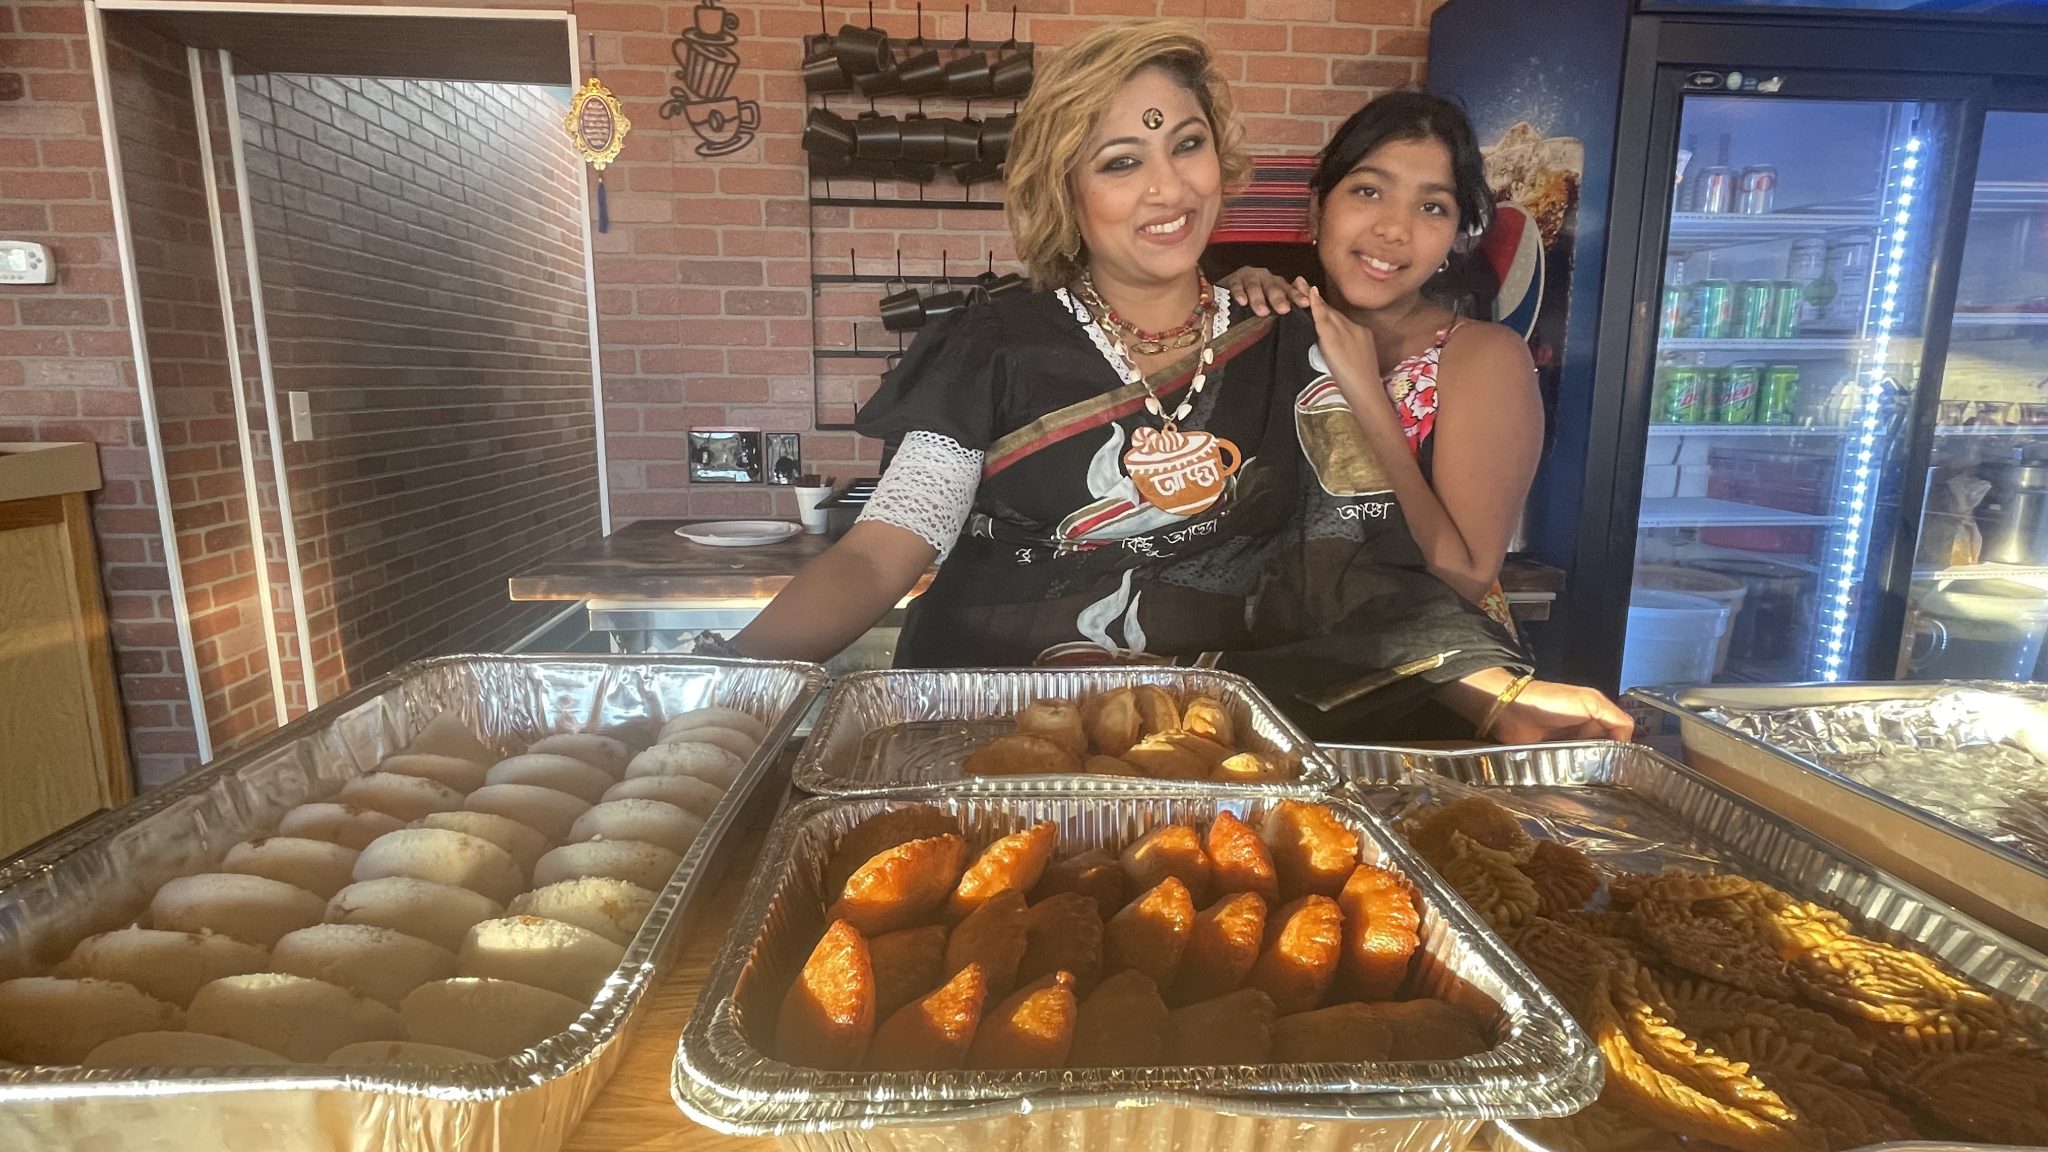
[1154, 119]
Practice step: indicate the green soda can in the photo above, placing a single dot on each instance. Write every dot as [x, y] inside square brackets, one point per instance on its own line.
[1685, 397]
[1713, 310]
[1734, 396]
[1753, 301]
[1671, 319]
[1778, 402]
[1785, 298]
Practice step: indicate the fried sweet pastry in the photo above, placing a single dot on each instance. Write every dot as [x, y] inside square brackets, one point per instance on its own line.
[1986, 1084]
[1238, 860]
[1168, 850]
[1886, 985]
[907, 964]
[1340, 1034]
[1226, 941]
[1380, 933]
[1832, 1099]
[1162, 758]
[1304, 942]
[879, 833]
[1122, 1025]
[1015, 861]
[1151, 933]
[828, 1014]
[1477, 819]
[1489, 881]
[1232, 1029]
[1094, 874]
[1677, 886]
[1705, 1008]
[1563, 877]
[1022, 754]
[1033, 1028]
[1157, 711]
[1057, 721]
[1252, 768]
[1110, 766]
[1431, 1029]
[899, 887]
[1111, 721]
[1313, 852]
[1720, 939]
[1568, 961]
[934, 1032]
[1063, 932]
[993, 937]
[1599, 1127]
[1205, 716]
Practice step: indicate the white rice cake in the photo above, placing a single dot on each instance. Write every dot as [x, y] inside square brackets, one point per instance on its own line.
[633, 861]
[543, 953]
[51, 1020]
[443, 857]
[406, 797]
[589, 747]
[380, 963]
[300, 1019]
[544, 810]
[170, 966]
[349, 825]
[318, 866]
[489, 1017]
[692, 795]
[437, 913]
[611, 908]
[252, 909]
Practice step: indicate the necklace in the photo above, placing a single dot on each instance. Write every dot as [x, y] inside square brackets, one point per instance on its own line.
[1173, 339]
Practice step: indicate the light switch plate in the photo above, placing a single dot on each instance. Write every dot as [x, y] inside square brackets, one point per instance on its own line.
[302, 415]
[26, 262]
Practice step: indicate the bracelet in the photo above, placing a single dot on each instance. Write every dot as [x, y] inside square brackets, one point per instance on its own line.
[1500, 704]
[709, 643]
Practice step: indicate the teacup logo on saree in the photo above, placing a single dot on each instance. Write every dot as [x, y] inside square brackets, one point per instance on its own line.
[1336, 447]
[707, 60]
[1180, 472]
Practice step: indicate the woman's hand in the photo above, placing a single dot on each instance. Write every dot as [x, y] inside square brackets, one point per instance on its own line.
[1545, 712]
[1348, 348]
[1264, 292]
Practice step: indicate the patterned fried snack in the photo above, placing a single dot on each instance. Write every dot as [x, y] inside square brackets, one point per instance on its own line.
[993, 937]
[1800, 925]
[1122, 1025]
[1157, 711]
[1232, 1029]
[828, 1014]
[1313, 851]
[1033, 1028]
[1340, 1034]
[1721, 939]
[1063, 932]
[1381, 928]
[1985, 1084]
[1833, 1099]
[935, 1031]
[1238, 860]
[1705, 1007]
[1476, 818]
[899, 887]
[1022, 754]
[1094, 874]
[1252, 768]
[1676, 885]
[1056, 720]
[1430, 1029]
[1489, 881]
[1227, 939]
[1304, 942]
[907, 965]
[1168, 850]
[1111, 721]
[879, 833]
[1151, 933]
[1563, 877]
[1887, 985]
[1568, 961]
[1014, 861]
[1208, 718]
[1163, 758]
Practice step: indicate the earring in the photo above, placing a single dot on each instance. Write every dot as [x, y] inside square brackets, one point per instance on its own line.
[1445, 266]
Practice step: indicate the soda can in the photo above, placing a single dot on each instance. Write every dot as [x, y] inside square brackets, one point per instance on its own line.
[1671, 321]
[1778, 402]
[1685, 397]
[1713, 310]
[1735, 391]
[1715, 191]
[1753, 302]
[1785, 299]
[1757, 191]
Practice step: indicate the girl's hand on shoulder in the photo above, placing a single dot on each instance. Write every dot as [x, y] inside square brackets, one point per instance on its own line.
[1348, 348]
[1263, 292]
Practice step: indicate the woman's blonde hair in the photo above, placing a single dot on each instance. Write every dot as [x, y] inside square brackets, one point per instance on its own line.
[1065, 106]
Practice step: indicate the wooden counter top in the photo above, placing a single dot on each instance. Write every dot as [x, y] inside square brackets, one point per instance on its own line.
[28, 471]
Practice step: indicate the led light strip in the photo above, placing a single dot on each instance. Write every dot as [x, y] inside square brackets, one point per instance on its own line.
[1858, 484]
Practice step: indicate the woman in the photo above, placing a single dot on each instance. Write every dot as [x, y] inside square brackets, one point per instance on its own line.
[1106, 464]
[1445, 414]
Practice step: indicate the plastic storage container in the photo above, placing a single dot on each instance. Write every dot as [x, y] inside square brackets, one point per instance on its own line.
[1980, 630]
[1715, 586]
[1672, 638]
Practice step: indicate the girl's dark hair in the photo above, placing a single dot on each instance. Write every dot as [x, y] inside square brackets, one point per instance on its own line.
[1408, 115]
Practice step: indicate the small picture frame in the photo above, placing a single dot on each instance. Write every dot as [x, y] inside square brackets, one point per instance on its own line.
[725, 456]
[783, 457]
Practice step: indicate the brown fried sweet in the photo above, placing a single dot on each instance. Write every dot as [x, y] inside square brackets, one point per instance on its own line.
[1157, 711]
[1304, 941]
[1232, 1029]
[1151, 933]
[1032, 1028]
[1381, 928]
[1238, 860]
[1056, 720]
[1313, 851]
[1868, 980]
[1477, 819]
[1110, 766]
[1489, 881]
[935, 1031]
[1226, 941]
[1161, 758]
[1094, 874]
[1063, 932]
[879, 833]
[1014, 861]
[1706, 1007]
[899, 887]
[1111, 721]
[1021, 754]
[992, 936]
[1720, 939]
[1168, 850]
[1340, 1034]
[1566, 959]
[907, 964]
[828, 1014]
[1253, 768]
[1564, 879]
[1832, 1099]
[1205, 716]
[1432, 1029]
[1984, 1083]
[1121, 1025]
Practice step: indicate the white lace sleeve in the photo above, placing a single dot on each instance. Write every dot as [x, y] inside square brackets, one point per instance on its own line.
[928, 489]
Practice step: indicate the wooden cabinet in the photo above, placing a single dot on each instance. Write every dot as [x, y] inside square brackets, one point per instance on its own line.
[63, 754]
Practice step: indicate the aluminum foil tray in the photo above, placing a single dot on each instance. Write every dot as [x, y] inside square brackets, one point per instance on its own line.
[903, 731]
[1542, 1065]
[1944, 784]
[1631, 809]
[100, 876]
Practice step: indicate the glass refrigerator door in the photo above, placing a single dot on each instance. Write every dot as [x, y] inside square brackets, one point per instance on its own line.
[1979, 602]
[1795, 263]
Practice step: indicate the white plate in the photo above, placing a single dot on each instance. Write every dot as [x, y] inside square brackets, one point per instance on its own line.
[739, 533]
